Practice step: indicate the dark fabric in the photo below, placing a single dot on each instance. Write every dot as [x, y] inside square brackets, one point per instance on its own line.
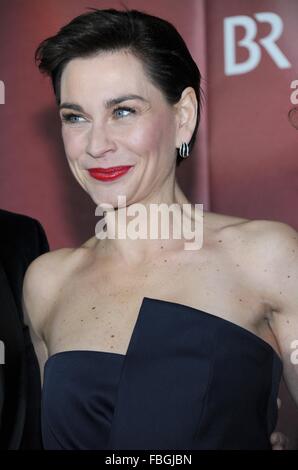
[80, 416]
[22, 239]
[189, 380]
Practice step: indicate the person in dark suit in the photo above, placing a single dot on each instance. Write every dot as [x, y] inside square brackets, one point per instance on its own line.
[22, 239]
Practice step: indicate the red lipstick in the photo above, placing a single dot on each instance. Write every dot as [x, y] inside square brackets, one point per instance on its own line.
[109, 174]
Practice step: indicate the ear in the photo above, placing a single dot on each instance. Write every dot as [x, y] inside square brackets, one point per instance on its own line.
[186, 114]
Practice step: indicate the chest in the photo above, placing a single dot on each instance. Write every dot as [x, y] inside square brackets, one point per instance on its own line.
[98, 308]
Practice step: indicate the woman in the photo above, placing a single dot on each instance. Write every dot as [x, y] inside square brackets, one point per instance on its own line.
[142, 343]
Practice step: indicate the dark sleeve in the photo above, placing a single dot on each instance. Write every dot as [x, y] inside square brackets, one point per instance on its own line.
[25, 240]
[32, 432]
[32, 428]
[22, 239]
[36, 242]
[43, 241]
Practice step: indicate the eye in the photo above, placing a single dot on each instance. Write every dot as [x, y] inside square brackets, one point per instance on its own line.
[121, 112]
[72, 118]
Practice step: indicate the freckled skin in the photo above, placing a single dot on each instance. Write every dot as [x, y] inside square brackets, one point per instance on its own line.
[113, 274]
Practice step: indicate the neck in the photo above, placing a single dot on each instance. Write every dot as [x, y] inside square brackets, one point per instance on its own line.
[143, 231]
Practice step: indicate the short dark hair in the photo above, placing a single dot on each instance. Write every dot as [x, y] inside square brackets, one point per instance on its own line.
[156, 42]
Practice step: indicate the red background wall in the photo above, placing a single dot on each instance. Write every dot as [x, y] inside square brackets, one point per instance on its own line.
[252, 147]
[34, 176]
[245, 160]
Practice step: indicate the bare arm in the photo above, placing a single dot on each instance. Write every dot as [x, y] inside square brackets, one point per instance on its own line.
[281, 284]
[42, 283]
[33, 308]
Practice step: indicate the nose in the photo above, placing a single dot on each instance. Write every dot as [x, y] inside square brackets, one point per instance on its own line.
[99, 142]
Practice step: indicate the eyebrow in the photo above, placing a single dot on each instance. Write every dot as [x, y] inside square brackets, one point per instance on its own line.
[108, 104]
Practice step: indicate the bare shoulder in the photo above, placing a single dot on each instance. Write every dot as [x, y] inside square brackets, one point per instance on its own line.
[271, 238]
[275, 249]
[42, 283]
[257, 233]
[265, 244]
[269, 251]
[219, 222]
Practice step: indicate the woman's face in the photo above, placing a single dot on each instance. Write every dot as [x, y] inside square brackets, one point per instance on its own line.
[113, 116]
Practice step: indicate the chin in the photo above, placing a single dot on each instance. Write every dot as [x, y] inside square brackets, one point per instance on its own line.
[110, 199]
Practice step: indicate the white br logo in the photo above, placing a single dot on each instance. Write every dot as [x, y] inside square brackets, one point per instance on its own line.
[254, 49]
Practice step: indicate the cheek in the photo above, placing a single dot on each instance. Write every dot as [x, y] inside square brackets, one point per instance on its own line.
[154, 136]
[73, 143]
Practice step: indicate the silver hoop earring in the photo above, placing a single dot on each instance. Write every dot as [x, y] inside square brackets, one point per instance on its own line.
[184, 150]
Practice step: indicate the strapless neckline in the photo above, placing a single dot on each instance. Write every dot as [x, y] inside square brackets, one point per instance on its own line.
[188, 380]
[257, 339]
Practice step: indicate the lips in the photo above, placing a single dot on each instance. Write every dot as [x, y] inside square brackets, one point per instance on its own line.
[109, 174]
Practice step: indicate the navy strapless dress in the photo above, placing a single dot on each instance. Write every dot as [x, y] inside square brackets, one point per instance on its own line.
[190, 380]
